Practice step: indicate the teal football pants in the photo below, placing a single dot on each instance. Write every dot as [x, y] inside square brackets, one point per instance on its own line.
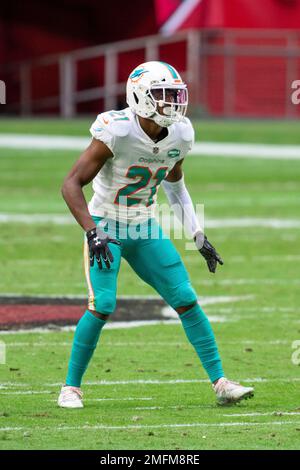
[154, 259]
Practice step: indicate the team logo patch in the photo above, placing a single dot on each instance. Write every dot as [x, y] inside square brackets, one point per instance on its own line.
[137, 74]
[173, 153]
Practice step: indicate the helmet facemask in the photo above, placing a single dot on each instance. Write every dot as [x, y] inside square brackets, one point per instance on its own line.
[155, 91]
[169, 102]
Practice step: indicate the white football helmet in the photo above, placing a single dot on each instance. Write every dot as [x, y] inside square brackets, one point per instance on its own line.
[156, 91]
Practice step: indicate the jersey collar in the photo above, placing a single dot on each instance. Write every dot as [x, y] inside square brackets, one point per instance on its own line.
[146, 136]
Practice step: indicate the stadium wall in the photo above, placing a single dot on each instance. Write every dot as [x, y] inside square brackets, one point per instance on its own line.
[238, 72]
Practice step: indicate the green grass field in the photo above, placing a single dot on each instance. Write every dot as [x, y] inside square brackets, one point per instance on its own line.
[255, 333]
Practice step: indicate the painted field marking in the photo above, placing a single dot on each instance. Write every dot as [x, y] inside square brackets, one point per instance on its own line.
[16, 344]
[77, 296]
[147, 382]
[217, 318]
[134, 344]
[113, 325]
[153, 426]
[171, 407]
[181, 425]
[121, 399]
[218, 149]
[251, 259]
[176, 381]
[273, 413]
[241, 281]
[202, 300]
[228, 222]
[29, 392]
[235, 415]
[110, 326]
[117, 399]
[53, 142]
[103, 345]
[5, 385]
[258, 309]
[244, 150]
[169, 312]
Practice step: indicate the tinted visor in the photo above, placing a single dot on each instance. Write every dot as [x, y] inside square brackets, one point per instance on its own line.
[170, 95]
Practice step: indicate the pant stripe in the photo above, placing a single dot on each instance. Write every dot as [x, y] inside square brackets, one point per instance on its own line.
[86, 261]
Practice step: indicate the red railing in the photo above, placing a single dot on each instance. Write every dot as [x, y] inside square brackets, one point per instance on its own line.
[231, 73]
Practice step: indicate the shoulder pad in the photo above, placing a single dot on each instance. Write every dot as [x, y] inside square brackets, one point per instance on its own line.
[115, 125]
[186, 130]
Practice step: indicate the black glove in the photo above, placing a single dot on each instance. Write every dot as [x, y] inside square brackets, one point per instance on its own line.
[210, 255]
[98, 247]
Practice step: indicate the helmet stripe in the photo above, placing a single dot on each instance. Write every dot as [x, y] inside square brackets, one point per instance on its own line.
[171, 70]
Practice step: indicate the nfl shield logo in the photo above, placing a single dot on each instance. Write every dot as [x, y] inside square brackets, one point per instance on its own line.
[155, 150]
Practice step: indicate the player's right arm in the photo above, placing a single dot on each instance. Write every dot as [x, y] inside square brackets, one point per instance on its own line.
[84, 170]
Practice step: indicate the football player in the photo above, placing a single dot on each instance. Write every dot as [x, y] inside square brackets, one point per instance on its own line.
[132, 152]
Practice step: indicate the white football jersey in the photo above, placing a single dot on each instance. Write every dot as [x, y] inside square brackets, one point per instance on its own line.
[126, 187]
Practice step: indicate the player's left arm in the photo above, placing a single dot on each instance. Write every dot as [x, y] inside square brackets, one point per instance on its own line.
[181, 202]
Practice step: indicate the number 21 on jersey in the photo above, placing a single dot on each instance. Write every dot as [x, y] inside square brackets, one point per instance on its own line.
[145, 175]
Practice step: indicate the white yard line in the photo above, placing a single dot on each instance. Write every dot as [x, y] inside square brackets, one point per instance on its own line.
[235, 415]
[250, 222]
[219, 149]
[204, 300]
[117, 399]
[137, 382]
[113, 325]
[251, 259]
[43, 142]
[182, 425]
[241, 281]
[169, 312]
[176, 381]
[253, 380]
[244, 150]
[258, 309]
[11, 428]
[57, 219]
[167, 407]
[273, 413]
[7, 385]
[166, 221]
[121, 399]
[83, 297]
[134, 344]
[222, 315]
[220, 309]
[21, 344]
[152, 426]
[28, 392]
[38, 330]
[110, 326]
